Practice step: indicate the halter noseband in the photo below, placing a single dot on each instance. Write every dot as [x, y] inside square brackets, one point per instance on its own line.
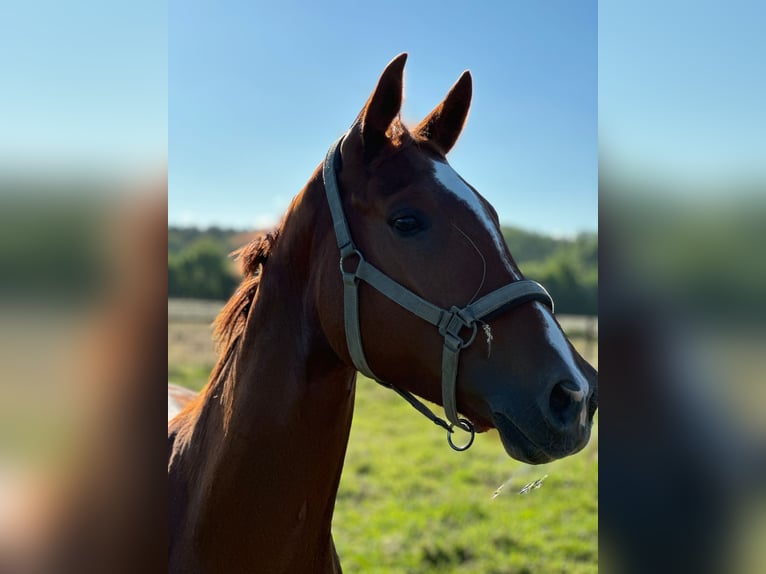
[450, 322]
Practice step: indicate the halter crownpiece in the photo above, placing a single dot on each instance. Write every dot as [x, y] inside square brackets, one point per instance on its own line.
[449, 322]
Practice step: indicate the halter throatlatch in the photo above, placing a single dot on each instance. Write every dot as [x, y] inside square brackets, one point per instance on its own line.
[458, 325]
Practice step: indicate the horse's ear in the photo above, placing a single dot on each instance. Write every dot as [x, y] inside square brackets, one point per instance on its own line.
[443, 125]
[383, 106]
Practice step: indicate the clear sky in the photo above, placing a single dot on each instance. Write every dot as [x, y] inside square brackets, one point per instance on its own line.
[682, 87]
[257, 91]
[245, 97]
[83, 86]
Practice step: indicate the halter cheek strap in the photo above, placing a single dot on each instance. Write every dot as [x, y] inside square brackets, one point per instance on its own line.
[450, 323]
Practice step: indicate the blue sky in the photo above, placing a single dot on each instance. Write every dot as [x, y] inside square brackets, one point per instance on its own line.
[84, 86]
[245, 97]
[257, 92]
[682, 87]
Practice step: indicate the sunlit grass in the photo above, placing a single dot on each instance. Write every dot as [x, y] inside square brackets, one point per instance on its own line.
[408, 503]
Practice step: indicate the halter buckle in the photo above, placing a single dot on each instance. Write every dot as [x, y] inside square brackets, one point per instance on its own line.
[451, 325]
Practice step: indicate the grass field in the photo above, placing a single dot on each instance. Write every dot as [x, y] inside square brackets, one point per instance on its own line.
[408, 503]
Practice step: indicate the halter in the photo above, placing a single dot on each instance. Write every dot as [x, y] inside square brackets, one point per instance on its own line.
[449, 322]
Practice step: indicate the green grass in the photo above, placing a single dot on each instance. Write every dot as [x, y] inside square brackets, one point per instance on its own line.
[408, 503]
[190, 376]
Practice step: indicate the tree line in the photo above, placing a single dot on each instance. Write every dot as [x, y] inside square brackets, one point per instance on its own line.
[199, 266]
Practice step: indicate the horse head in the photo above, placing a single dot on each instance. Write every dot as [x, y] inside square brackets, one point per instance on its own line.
[418, 222]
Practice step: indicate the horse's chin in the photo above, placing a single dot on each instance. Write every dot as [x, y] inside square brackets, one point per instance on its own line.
[517, 444]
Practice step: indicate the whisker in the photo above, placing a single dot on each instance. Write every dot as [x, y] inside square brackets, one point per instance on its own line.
[483, 262]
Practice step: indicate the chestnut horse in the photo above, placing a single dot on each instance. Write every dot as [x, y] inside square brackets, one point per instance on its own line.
[427, 301]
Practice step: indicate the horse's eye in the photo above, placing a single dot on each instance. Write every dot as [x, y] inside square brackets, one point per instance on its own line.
[406, 225]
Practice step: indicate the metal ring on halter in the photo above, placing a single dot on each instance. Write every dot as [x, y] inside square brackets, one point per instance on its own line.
[454, 343]
[346, 256]
[471, 339]
[467, 427]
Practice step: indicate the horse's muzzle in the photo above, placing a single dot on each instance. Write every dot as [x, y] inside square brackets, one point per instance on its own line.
[538, 444]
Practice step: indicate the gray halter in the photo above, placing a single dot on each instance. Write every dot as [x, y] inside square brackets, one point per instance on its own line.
[449, 322]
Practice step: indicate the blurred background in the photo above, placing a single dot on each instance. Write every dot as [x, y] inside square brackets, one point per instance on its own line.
[682, 212]
[83, 215]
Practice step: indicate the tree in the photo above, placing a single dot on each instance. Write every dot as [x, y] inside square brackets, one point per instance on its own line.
[201, 271]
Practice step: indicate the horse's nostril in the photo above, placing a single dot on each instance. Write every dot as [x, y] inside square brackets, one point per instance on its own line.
[566, 402]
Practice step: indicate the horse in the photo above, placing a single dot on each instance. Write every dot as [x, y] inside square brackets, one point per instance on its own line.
[389, 263]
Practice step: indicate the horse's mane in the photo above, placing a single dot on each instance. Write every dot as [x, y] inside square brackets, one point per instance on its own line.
[228, 328]
[230, 323]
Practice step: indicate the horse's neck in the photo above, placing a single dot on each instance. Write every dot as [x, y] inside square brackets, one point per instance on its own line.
[265, 457]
